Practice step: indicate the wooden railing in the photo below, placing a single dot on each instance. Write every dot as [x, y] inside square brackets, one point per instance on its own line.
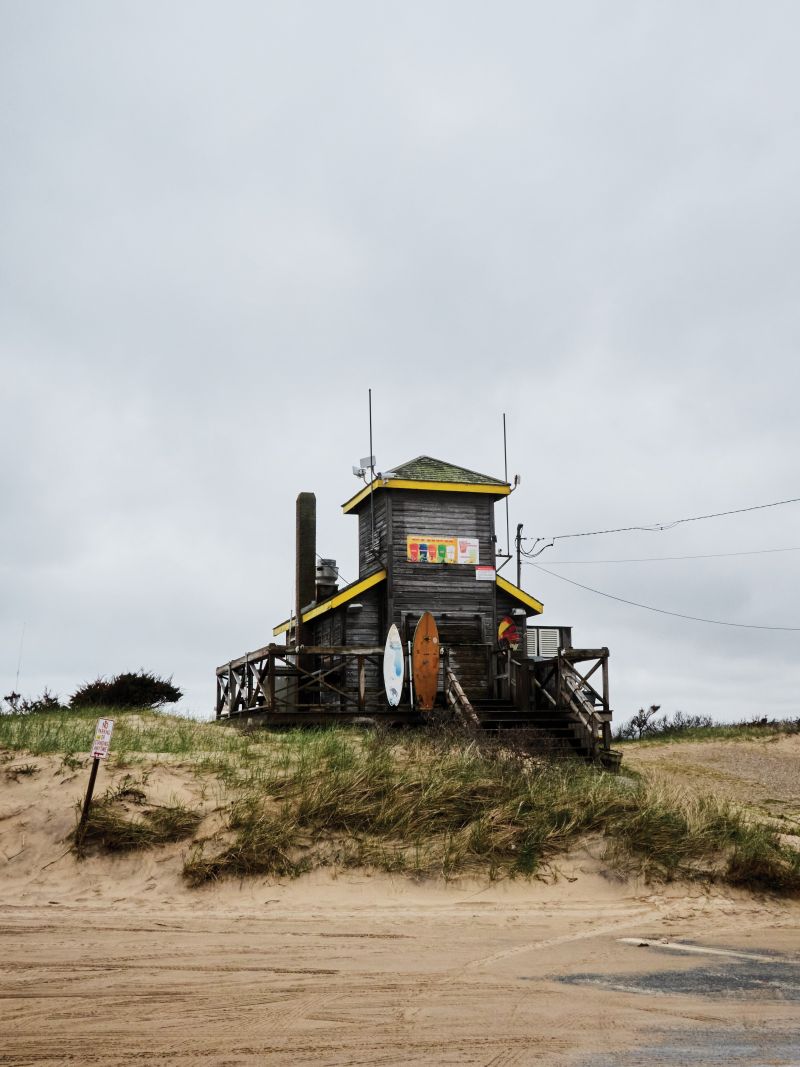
[309, 678]
[457, 699]
[559, 685]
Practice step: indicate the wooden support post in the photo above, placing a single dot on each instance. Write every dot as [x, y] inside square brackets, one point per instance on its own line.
[87, 804]
[271, 679]
[525, 676]
[606, 705]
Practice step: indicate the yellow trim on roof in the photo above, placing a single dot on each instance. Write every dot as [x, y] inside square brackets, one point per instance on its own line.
[335, 601]
[439, 487]
[345, 595]
[525, 598]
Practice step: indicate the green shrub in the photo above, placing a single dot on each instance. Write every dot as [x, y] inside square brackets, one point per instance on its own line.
[132, 690]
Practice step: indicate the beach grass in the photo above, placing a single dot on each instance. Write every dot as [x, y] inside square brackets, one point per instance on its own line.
[427, 803]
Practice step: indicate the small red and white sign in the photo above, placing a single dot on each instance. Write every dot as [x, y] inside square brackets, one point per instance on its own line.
[102, 738]
[484, 574]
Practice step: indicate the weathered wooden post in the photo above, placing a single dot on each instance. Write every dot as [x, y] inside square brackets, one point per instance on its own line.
[606, 703]
[100, 747]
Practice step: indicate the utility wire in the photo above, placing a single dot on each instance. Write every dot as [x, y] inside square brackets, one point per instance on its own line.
[660, 559]
[659, 527]
[663, 611]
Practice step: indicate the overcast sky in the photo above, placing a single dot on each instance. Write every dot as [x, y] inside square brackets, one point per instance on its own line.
[221, 223]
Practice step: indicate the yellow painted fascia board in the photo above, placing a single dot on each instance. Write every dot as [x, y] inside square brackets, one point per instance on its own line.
[344, 596]
[438, 487]
[334, 601]
[525, 598]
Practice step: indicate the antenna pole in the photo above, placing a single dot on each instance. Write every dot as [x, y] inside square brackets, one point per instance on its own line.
[19, 659]
[505, 462]
[371, 481]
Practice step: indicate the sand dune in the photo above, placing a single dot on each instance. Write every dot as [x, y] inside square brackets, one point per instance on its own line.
[113, 960]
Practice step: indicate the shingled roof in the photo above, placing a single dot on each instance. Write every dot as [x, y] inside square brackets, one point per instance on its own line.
[428, 469]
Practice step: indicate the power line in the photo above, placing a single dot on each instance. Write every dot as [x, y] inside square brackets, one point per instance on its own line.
[660, 559]
[660, 527]
[663, 611]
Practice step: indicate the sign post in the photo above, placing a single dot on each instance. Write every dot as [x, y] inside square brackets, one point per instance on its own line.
[100, 747]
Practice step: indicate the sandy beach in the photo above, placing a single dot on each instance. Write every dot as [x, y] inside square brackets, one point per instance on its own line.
[113, 960]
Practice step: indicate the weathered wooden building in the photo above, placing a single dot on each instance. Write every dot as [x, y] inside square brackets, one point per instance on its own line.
[426, 542]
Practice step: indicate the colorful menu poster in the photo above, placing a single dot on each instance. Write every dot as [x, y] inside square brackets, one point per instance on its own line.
[422, 549]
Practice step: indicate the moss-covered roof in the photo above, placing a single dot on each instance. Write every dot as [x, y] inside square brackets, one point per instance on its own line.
[428, 469]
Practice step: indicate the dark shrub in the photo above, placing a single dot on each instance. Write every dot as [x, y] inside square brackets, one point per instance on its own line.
[645, 724]
[139, 690]
[21, 705]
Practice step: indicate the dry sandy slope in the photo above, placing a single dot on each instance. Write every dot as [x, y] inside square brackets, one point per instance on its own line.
[762, 774]
[114, 961]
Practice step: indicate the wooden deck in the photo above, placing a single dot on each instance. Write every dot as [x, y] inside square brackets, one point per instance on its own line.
[553, 697]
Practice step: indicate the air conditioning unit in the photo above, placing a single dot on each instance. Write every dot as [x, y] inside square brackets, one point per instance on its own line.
[543, 642]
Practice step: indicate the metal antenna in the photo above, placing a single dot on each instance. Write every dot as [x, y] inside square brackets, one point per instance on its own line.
[19, 659]
[505, 461]
[372, 481]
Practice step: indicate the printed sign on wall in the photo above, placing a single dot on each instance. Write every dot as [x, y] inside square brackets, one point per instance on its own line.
[421, 549]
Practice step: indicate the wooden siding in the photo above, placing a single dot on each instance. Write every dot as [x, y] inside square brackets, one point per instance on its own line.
[463, 607]
[364, 628]
[441, 587]
[372, 556]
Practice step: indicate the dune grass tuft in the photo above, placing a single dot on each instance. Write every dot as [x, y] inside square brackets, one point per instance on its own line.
[112, 827]
[445, 809]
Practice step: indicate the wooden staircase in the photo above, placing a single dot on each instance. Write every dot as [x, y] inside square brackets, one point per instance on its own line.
[554, 701]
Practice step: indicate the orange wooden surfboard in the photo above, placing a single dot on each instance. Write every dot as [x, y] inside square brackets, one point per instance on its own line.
[425, 661]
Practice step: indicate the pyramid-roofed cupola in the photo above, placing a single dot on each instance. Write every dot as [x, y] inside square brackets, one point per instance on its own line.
[429, 473]
[429, 469]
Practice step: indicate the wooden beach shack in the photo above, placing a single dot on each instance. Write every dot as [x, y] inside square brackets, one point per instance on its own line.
[426, 543]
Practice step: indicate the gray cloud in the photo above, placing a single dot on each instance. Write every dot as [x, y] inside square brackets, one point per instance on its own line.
[222, 223]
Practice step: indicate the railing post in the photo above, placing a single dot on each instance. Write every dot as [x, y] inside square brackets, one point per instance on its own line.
[606, 703]
[524, 671]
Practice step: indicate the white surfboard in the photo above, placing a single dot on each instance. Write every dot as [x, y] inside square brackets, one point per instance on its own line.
[393, 666]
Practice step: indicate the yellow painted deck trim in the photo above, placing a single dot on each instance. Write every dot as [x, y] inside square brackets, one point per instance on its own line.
[525, 598]
[437, 487]
[335, 601]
